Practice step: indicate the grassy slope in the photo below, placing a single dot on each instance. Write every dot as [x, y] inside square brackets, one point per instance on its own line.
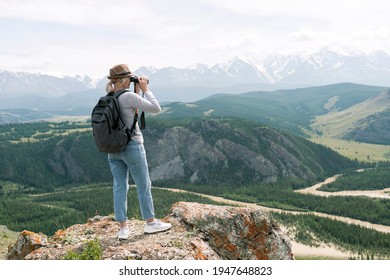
[355, 150]
[337, 123]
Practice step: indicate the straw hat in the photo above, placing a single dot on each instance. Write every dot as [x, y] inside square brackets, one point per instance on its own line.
[119, 71]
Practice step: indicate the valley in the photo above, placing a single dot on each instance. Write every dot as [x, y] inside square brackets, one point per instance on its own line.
[360, 151]
[256, 149]
[315, 249]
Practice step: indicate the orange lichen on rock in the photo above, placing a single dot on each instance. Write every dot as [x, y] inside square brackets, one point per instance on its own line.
[198, 255]
[27, 242]
[234, 232]
[59, 235]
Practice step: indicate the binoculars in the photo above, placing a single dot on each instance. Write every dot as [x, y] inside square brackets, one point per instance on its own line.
[134, 79]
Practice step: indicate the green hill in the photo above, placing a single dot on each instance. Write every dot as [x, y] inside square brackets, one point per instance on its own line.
[290, 110]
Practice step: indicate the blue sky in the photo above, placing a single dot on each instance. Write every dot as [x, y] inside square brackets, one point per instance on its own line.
[88, 37]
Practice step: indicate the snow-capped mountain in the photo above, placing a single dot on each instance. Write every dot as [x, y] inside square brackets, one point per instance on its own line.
[322, 67]
[237, 70]
[200, 80]
[326, 67]
[23, 83]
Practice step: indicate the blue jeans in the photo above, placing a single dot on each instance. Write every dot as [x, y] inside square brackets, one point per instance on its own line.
[132, 160]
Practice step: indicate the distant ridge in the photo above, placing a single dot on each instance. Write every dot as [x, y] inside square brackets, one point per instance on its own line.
[198, 81]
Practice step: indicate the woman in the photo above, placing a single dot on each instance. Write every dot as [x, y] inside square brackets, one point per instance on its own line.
[133, 159]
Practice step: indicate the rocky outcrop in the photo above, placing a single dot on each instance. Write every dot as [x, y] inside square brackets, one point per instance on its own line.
[235, 233]
[27, 242]
[199, 231]
[214, 152]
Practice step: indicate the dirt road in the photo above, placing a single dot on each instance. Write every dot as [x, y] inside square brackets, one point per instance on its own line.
[385, 193]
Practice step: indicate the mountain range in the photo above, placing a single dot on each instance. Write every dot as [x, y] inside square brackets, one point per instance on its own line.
[41, 91]
[323, 67]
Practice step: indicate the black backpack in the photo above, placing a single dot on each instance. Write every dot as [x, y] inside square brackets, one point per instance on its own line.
[109, 130]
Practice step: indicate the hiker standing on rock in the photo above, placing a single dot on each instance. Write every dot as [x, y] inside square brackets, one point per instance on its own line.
[133, 159]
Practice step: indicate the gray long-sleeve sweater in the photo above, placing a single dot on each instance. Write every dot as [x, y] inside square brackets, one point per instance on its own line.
[129, 101]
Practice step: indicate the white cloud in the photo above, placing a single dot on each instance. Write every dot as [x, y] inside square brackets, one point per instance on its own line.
[86, 12]
[88, 36]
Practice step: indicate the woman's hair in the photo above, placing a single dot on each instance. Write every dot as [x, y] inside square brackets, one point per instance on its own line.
[110, 85]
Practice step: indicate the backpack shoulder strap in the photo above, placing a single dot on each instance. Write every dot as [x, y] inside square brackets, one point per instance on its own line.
[119, 92]
[130, 132]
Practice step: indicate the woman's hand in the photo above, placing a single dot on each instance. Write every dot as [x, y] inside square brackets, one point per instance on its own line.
[143, 84]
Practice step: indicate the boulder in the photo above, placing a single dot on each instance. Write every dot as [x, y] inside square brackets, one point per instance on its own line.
[26, 243]
[235, 232]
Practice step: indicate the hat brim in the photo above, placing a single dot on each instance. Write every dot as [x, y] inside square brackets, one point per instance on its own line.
[119, 76]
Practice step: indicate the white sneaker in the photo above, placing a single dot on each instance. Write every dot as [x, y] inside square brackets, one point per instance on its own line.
[156, 226]
[123, 233]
